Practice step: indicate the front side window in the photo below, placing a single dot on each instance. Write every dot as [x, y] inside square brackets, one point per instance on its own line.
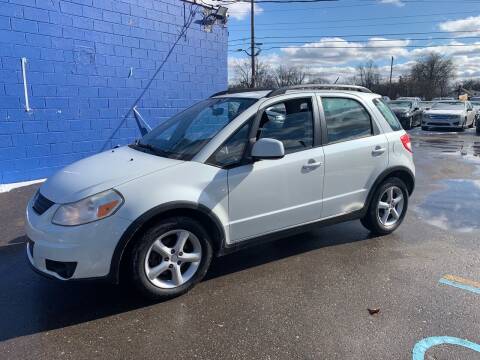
[388, 114]
[185, 134]
[346, 119]
[232, 150]
[290, 122]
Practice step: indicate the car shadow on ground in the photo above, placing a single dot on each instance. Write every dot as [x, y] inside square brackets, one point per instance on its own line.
[30, 303]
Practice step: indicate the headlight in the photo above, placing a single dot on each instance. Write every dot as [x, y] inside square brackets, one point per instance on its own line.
[93, 208]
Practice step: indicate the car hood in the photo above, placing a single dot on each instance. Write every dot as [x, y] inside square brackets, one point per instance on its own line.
[101, 172]
[401, 110]
[445, 112]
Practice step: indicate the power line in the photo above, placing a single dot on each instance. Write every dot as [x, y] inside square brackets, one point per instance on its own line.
[357, 19]
[309, 8]
[340, 27]
[370, 47]
[362, 35]
[369, 41]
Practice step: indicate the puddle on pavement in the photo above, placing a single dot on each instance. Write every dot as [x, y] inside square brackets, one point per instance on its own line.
[452, 145]
[455, 208]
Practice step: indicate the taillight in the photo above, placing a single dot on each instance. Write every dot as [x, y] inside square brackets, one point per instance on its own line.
[407, 144]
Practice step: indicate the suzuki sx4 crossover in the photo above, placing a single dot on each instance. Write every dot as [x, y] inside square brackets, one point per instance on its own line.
[232, 170]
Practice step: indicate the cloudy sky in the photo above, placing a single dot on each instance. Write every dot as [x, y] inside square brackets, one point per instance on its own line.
[331, 38]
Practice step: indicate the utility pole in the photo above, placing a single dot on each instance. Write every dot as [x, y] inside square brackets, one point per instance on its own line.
[391, 73]
[252, 40]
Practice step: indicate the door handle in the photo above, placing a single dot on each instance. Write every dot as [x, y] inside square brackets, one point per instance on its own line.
[312, 164]
[379, 150]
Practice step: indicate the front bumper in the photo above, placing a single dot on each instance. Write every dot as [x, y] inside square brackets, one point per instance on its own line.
[442, 123]
[72, 252]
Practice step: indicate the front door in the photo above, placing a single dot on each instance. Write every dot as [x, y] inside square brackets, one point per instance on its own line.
[271, 195]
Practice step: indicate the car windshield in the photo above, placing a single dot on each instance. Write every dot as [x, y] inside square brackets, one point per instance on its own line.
[448, 105]
[400, 104]
[185, 134]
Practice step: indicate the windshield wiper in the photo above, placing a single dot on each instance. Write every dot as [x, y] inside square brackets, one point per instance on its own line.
[152, 149]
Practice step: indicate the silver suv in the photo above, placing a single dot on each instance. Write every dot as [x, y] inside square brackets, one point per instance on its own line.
[232, 170]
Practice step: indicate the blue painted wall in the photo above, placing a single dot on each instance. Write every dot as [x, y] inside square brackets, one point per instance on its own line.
[88, 60]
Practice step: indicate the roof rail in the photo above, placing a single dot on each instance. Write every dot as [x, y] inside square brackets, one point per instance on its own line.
[283, 90]
[237, 91]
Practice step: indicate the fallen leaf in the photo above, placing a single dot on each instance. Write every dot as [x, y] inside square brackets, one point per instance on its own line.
[373, 311]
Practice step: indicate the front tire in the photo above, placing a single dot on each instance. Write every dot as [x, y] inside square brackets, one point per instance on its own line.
[170, 258]
[387, 208]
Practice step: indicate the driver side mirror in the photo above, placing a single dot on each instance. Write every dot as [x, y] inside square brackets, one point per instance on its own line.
[268, 149]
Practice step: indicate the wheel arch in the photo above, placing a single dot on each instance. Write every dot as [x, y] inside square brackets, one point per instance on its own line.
[401, 172]
[195, 211]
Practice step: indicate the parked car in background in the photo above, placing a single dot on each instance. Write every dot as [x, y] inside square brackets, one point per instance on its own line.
[232, 170]
[386, 99]
[443, 98]
[409, 98]
[425, 105]
[407, 111]
[452, 114]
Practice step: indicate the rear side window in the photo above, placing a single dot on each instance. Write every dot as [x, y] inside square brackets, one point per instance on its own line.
[388, 114]
[346, 119]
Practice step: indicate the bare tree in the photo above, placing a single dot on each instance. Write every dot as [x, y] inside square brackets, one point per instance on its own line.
[286, 75]
[432, 75]
[470, 84]
[368, 75]
[267, 76]
[243, 75]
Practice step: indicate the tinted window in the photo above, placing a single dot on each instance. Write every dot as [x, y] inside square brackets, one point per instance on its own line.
[291, 122]
[388, 114]
[232, 150]
[346, 119]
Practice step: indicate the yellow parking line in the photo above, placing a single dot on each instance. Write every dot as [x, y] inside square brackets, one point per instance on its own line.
[461, 280]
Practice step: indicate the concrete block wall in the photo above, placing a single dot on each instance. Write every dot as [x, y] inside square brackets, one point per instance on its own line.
[88, 60]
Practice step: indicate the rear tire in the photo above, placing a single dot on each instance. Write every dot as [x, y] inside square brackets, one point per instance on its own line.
[170, 258]
[387, 207]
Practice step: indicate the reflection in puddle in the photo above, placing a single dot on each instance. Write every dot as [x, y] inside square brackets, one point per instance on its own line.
[456, 208]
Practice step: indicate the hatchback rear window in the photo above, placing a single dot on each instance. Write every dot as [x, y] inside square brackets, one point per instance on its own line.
[388, 114]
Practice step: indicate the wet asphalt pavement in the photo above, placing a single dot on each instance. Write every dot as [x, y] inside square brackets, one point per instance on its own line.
[304, 297]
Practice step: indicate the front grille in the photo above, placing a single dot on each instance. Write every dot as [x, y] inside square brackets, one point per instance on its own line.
[443, 117]
[41, 204]
[438, 124]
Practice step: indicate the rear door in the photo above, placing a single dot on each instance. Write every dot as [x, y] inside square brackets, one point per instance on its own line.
[355, 153]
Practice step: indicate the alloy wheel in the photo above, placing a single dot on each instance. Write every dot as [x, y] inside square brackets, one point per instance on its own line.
[173, 259]
[390, 206]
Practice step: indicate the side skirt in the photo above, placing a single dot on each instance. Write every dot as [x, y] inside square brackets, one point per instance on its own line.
[228, 249]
